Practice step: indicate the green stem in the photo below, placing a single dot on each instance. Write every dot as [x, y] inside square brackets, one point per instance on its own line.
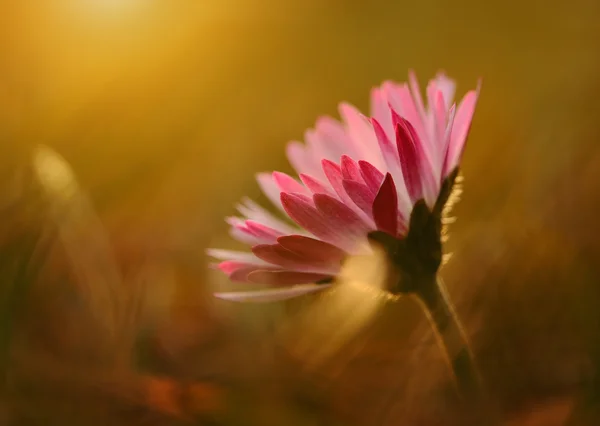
[453, 340]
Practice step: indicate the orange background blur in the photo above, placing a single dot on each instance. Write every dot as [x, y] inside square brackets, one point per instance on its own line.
[167, 109]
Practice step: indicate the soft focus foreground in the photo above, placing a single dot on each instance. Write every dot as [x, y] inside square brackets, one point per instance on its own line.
[165, 111]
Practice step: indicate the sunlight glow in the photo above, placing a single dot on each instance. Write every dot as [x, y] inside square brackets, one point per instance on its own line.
[109, 12]
[112, 6]
[332, 321]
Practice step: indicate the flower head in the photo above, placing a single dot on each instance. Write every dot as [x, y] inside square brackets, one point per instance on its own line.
[355, 176]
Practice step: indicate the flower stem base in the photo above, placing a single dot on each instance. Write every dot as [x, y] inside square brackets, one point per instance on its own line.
[452, 338]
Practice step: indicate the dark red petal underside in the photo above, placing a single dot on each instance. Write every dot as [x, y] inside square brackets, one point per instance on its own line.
[385, 207]
[360, 193]
[310, 248]
[350, 169]
[338, 216]
[281, 256]
[302, 211]
[371, 175]
[409, 159]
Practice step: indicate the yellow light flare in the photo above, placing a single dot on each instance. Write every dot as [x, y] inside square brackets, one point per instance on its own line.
[339, 315]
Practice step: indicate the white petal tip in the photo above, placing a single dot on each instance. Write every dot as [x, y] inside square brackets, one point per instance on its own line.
[271, 295]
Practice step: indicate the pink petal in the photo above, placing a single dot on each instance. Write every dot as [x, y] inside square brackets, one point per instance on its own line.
[286, 183]
[241, 275]
[380, 110]
[428, 182]
[390, 152]
[339, 216]
[241, 233]
[285, 277]
[361, 133]
[409, 159]
[402, 102]
[361, 195]
[460, 131]
[447, 139]
[251, 232]
[304, 213]
[329, 140]
[416, 96]
[276, 254]
[350, 169]
[256, 213]
[439, 117]
[268, 186]
[449, 128]
[386, 146]
[385, 207]
[230, 266]
[315, 185]
[262, 232]
[279, 255]
[234, 221]
[271, 295]
[300, 158]
[310, 248]
[371, 175]
[447, 86]
[331, 129]
[239, 271]
[334, 175]
[305, 198]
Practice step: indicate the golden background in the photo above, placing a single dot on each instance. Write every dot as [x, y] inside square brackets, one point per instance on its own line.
[166, 110]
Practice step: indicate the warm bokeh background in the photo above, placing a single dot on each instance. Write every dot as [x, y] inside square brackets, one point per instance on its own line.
[166, 110]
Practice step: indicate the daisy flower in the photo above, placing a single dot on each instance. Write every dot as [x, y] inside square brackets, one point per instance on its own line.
[359, 179]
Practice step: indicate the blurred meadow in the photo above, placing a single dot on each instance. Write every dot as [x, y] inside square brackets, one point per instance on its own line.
[165, 110]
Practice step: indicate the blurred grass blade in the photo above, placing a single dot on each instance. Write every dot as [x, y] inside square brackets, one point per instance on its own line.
[31, 255]
[82, 235]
